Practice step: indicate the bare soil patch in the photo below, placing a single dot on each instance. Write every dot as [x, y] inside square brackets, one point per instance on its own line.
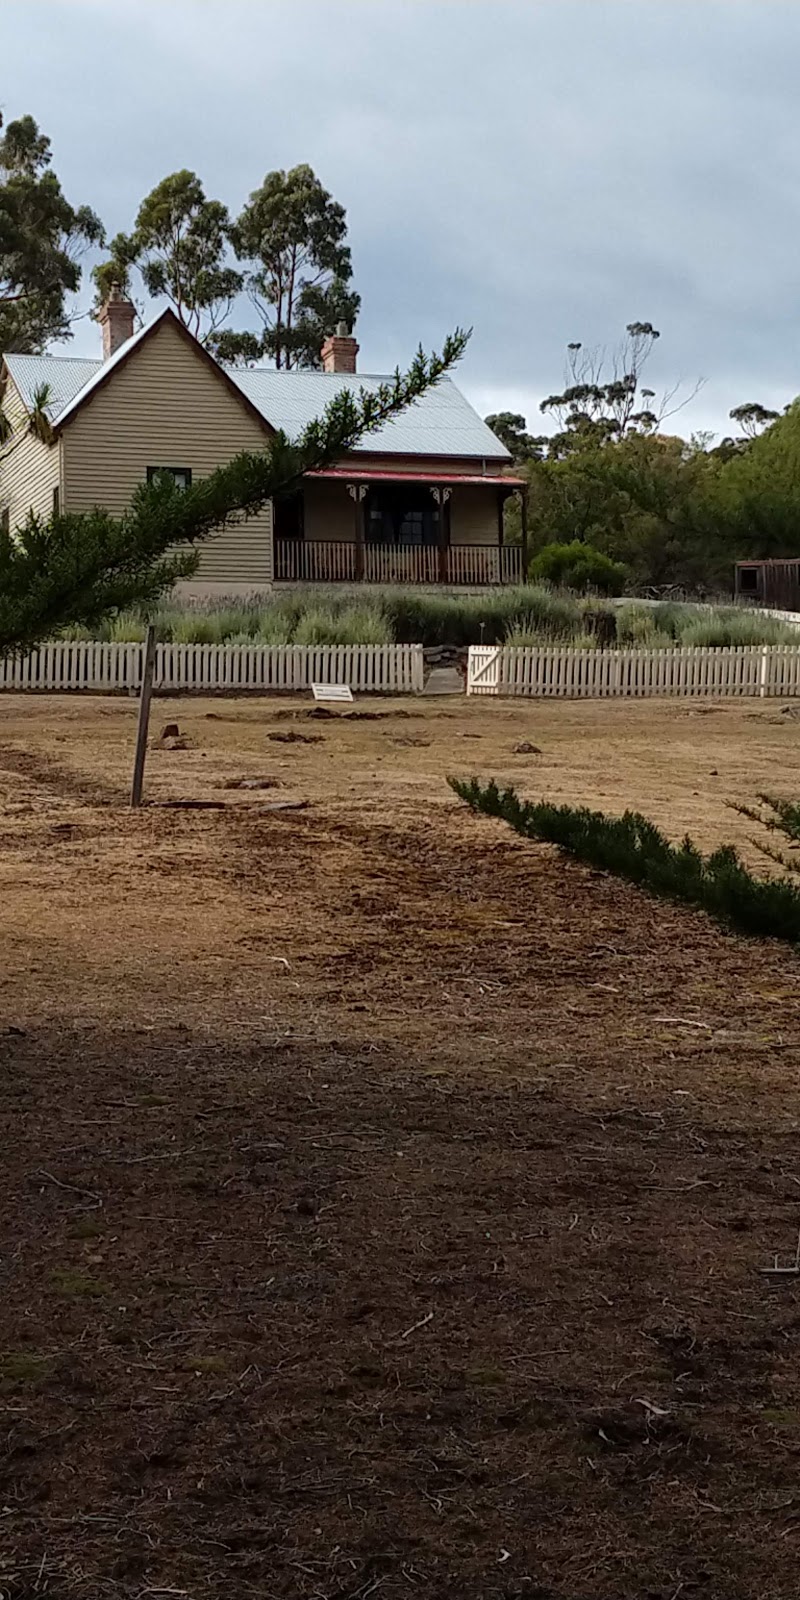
[385, 1200]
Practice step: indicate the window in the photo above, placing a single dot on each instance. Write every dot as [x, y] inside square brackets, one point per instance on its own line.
[401, 515]
[181, 476]
[56, 500]
[748, 580]
[5, 519]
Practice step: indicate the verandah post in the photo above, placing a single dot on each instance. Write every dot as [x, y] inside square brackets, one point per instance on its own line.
[524, 532]
[358, 494]
[442, 498]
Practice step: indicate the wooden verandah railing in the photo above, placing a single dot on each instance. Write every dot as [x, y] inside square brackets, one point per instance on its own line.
[461, 565]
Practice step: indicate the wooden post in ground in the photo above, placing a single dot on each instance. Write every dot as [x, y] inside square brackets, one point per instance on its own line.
[145, 696]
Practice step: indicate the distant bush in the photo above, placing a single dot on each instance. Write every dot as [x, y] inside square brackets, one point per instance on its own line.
[638, 626]
[580, 567]
[419, 616]
[272, 627]
[634, 848]
[533, 613]
[192, 627]
[363, 624]
[732, 626]
[76, 633]
[522, 637]
[127, 628]
[669, 617]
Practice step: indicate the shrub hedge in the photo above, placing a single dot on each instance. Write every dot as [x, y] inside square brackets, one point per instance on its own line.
[632, 847]
[530, 614]
[578, 566]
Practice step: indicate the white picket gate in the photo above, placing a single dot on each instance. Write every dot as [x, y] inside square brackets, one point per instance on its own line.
[561, 671]
[217, 668]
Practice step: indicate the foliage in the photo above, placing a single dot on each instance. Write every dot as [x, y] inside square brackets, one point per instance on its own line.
[731, 627]
[292, 236]
[705, 626]
[632, 847]
[127, 628]
[603, 399]
[753, 418]
[644, 501]
[668, 508]
[79, 567]
[674, 511]
[578, 566]
[41, 239]
[524, 636]
[39, 416]
[531, 615]
[777, 816]
[428, 618]
[510, 428]
[179, 243]
[637, 627]
[290, 241]
[784, 814]
[757, 492]
[274, 628]
[364, 624]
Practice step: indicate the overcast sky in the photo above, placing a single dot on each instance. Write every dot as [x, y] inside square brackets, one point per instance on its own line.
[543, 170]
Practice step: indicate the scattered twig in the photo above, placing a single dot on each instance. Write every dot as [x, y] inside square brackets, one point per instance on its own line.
[163, 1155]
[784, 1272]
[686, 1022]
[72, 1188]
[415, 1325]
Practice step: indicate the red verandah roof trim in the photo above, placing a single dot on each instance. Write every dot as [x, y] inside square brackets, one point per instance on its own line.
[379, 475]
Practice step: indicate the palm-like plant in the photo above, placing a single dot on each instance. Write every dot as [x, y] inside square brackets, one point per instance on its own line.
[39, 420]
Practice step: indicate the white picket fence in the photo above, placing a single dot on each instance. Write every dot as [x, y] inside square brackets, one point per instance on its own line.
[204, 668]
[560, 671]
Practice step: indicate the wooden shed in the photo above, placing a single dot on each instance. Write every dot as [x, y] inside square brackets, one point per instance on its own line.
[770, 583]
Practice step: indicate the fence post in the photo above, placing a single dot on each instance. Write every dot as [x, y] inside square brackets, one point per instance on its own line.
[145, 696]
[762, 681]
[417, 669]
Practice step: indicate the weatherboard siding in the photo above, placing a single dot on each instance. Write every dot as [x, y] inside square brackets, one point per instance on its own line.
[474, 517]
[165, 407]
[328, 511]
[29, 469]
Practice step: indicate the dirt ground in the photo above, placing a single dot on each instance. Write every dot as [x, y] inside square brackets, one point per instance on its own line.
[385, 1200]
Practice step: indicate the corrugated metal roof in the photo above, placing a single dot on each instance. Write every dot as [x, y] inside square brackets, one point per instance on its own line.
[441, 423]
[64, 374]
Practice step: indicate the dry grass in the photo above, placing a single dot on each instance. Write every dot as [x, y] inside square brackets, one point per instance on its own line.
[427, 1179]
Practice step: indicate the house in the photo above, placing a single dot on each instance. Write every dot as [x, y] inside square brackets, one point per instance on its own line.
[420, 502]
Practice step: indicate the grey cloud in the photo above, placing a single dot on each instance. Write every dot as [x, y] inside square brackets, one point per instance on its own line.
[544, 171]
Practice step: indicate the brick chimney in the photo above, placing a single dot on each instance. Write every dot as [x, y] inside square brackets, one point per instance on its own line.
[116, 320]
[339, 351]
